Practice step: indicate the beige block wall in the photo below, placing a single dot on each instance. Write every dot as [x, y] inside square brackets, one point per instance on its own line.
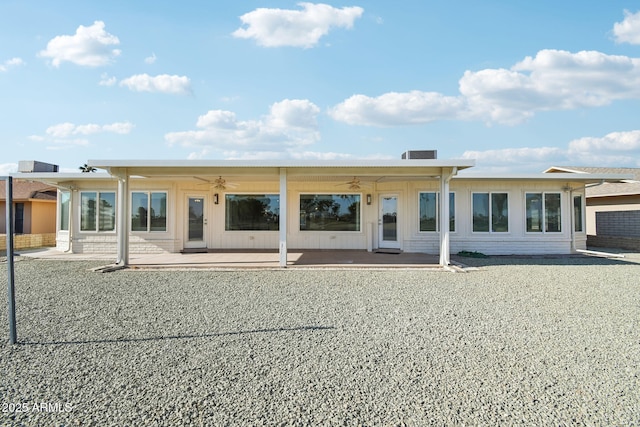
[25, 241]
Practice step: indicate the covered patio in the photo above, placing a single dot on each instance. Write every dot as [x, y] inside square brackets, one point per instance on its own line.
[258, 259]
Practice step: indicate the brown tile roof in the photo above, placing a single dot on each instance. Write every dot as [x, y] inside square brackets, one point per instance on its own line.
[23, 190]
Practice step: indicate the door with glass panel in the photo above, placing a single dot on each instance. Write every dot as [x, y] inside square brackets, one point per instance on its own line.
[196, 222]
[388, 222]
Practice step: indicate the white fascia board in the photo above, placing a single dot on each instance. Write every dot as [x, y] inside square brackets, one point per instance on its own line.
[381, 163]
[57, 178]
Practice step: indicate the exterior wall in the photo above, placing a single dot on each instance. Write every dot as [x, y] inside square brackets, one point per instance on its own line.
[25, 241]
[43, 217]
[617, 229]
[618, 223]
[515, 241]
[3, 217]
[39, 217]
[618, 242]
[609, 204]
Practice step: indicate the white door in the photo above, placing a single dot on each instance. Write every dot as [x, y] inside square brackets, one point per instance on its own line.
[196, 222]
[388, 222]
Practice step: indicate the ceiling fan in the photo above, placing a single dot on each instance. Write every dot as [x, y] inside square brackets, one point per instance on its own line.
[355, 184]
[218, 183]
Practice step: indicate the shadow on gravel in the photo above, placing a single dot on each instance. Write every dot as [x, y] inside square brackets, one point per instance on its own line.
[179, 337]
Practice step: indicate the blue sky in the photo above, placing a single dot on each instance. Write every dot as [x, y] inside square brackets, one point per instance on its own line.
[518, 86]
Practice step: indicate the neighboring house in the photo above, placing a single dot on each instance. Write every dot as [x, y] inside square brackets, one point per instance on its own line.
[613, 208]
[34, 207]
[172, 206]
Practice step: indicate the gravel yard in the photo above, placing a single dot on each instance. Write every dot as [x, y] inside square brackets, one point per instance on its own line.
[548, 341]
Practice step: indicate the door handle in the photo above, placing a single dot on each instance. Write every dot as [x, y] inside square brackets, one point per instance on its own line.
[204, 221]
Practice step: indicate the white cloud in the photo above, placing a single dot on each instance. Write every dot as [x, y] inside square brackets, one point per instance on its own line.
[552, 80]
[513, 154]
[105, 80]
[393, 109]
[297, 28]
[11, 63]
[613, 149]
[617, 149]
[89, 47]
[628, 31]
[290, 125]
[65, 130]
[7, 168]
[163, 83]
[68, 135]
[150, 59]
[64, 136]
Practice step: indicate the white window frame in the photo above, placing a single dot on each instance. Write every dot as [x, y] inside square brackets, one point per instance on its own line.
[360, 216]
[490, 231]
[544, 213]
[148, 230]
[583, 218]
[224, 197]
[437, 193]
[97, 218]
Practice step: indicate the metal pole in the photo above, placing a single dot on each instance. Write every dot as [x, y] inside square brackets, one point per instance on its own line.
[13, 335]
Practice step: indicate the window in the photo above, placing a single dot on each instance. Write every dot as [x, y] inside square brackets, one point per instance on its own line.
[97, 211]
[577, 214]
[18, 218]
[65, 197]
[330, 212]
[429, 211]
[543, 212]
[252, 212]
[491, 212]
[148, 211]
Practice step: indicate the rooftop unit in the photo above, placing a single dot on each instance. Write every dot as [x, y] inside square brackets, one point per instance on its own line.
[420, 155]
[28, 166]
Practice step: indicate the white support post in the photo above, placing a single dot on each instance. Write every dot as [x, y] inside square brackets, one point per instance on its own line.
[445, 177]
[122, 234]
[283, 218]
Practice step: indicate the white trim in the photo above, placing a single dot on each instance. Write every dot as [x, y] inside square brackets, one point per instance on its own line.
[282, 246]
[437, 230]
[389, 244]
[544, 215]
[196, 244]
[148, 230]
[97, 213]
[490, 218]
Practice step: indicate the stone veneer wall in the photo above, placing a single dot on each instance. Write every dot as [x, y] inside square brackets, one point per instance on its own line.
[25, 241]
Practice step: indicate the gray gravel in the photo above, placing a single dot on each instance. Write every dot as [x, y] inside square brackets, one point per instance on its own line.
[518, 342]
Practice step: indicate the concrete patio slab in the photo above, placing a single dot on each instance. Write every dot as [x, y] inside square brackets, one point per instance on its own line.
[256, 259]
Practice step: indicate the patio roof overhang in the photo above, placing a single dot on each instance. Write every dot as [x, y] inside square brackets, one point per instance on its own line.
[271, 168]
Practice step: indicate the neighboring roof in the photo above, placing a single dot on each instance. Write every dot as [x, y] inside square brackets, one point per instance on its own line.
[23, 190]
[628, 187]
[583, 169]
[582, 178]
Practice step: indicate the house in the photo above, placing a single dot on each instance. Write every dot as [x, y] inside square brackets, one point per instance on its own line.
[172, 206]
[612, 208]
[34, 207]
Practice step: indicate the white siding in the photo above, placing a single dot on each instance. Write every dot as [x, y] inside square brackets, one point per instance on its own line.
[515, 241]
